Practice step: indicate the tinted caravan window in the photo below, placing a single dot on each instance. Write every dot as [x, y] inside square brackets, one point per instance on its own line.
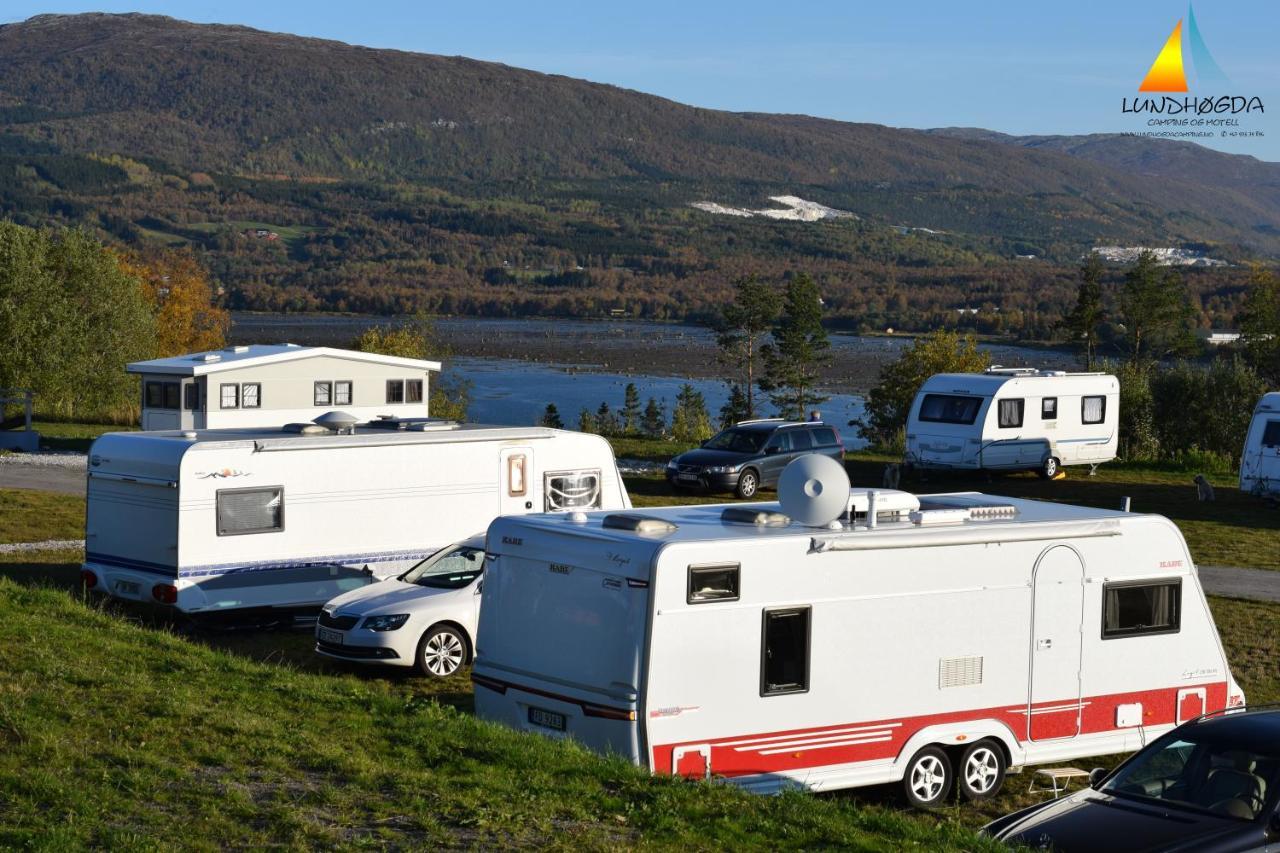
[1135, 609]
[250, 511]
[784, 664]
[949, 408]
[1271, 435]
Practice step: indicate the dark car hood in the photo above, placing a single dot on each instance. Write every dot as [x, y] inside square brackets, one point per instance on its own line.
[1091, 821]
[702, 456]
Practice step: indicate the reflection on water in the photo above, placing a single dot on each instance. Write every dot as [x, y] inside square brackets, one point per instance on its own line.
[516, 392]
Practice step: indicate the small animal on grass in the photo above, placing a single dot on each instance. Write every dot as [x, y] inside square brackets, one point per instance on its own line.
[892, 473]
[1204, 491]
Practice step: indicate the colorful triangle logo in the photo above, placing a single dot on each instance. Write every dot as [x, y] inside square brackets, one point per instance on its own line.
[1167, 74]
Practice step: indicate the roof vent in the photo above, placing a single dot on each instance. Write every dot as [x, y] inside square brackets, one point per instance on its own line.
[297, 346]
[643, 524]
[237, 348]
[758, 517]
[306, 429]
[207, 357]
[890, 503]
[189, 434]
[930, 517]
[339, 422]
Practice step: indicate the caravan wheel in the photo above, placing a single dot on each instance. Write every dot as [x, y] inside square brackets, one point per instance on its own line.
[928, 778]
[1049, 468]
[981, 773]
[441, 652]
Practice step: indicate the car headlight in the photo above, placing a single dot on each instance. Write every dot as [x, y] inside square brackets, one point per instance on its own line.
[671, 465]
[385, 623]
[723, 469]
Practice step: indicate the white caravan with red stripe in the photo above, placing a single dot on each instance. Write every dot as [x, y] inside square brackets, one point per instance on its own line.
[957, 635]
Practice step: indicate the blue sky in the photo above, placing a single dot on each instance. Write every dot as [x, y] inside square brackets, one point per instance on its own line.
[1018, 67]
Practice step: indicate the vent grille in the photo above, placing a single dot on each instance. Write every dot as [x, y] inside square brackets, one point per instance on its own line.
[959, 672]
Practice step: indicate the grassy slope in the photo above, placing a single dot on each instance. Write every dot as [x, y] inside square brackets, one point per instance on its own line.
[250, 739]
[27, 515]
[124, 736]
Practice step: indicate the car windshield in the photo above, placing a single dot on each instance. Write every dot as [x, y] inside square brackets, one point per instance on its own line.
[738, 440]
[1195, 770]
[452, 568]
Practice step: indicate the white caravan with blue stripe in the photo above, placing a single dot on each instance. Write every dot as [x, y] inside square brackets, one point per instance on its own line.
[218, 520]
[1014, 419]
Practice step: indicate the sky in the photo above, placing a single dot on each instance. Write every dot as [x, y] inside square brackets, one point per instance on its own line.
[1019, 67]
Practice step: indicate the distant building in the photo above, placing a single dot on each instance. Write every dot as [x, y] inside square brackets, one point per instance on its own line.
[274, 384]
[1217, 338]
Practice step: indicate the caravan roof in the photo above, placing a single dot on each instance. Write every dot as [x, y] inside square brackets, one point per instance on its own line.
[708, 522]
[987, 384]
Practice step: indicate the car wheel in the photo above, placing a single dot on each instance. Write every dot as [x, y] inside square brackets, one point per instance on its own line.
[441, 652]
[928, 778]
[981, 771]
[748, 484]
[1049, 468]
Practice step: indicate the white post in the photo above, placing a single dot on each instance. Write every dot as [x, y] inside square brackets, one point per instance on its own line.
[871, 509]
[1124, 504]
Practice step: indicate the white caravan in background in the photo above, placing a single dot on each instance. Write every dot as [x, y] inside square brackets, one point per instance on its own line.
[1014, 419]
[1260, 462]
[216, 520]
[931, 639]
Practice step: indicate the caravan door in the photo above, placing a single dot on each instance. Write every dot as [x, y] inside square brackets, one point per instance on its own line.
[516, 476]
[1053, 706]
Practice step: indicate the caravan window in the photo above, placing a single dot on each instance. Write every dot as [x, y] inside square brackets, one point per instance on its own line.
[1271, 435]
[1011, 413]
[784, 651]
[1093, 410]
[229, 397]
[713, 583]
[250, 511]
[572, 490]
[949, 409]
[322, 395]
[1146, 607]
[1049, 409]
[342, 392]
[395, 390]
[251, 395]
[413, 391]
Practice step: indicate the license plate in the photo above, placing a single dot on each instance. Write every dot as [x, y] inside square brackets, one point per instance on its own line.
[547, 719]
[127, 588]
[690, 477]
[332, 637]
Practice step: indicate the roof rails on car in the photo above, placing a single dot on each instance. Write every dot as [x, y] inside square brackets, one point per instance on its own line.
[1238, 709]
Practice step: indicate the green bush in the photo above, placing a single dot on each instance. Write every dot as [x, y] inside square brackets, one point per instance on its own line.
[1204, 409]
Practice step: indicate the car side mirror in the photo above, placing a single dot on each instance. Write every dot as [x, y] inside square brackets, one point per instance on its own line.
[479, 588]
[1096, 775]
[770, 450]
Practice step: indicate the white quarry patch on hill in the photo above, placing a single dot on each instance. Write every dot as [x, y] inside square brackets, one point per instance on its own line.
[1165, 257]
[794, 208]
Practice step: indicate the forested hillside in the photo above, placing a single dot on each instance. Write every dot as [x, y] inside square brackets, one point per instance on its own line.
[312, 174]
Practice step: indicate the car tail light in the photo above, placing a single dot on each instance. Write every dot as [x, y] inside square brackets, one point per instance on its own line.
[165, 593]
[88, 578]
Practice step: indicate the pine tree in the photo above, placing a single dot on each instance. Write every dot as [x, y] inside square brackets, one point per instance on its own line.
[735, 408]
[586, 421]
[551, 417]
[798, 350]
[606, 420]
[1083, 321]
[654, 421]
[742, 330]
[1153, 305]
[631, 410]
[689, 419]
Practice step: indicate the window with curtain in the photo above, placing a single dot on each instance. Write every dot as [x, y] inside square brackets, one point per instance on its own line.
[250, 511]
[251, 395]
[1093, 410]
[1137, 609]
[322, 394]
[1049, 409]
[413, 391]
[1011, 413]
[229, 396]
[342, 392]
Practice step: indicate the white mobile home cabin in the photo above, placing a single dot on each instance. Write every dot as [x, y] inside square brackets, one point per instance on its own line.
[1260, 461]
[1014, 419]
[955, 636]
[271, 384]
[216, 520]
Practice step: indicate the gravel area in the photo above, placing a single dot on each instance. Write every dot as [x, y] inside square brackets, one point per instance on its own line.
[47, 545]
[47, 459]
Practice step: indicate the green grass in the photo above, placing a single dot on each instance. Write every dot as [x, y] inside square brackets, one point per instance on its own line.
[121, 726]
[71, 435]
[27, 515]
[117, 734]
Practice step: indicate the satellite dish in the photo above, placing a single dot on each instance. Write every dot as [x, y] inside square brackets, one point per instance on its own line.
[814, 490]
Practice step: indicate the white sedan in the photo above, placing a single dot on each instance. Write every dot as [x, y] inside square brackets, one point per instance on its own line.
[425, 618]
